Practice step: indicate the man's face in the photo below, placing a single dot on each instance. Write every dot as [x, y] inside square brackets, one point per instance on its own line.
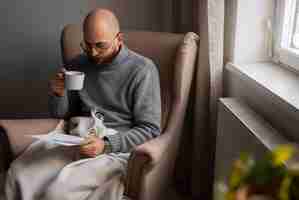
[100, 46]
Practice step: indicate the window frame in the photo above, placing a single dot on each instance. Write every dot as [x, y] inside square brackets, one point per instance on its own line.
[282, 35]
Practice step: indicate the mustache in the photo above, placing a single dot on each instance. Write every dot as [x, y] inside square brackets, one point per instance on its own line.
[95, 59]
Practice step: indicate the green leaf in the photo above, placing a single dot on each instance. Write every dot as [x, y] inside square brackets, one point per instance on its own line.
[282, 153]
[261, 173]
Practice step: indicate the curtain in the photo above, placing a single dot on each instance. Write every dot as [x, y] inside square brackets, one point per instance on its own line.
[196, 172]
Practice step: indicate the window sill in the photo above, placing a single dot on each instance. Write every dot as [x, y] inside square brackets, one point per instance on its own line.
[281, 82]
[270, 90]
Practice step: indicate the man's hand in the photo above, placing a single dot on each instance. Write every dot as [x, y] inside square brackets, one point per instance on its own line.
[57, 84]
[92, 146]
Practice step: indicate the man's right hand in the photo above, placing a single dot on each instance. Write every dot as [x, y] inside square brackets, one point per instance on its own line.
[57, 84]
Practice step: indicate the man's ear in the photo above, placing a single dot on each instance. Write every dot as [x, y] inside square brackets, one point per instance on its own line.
[120, 37]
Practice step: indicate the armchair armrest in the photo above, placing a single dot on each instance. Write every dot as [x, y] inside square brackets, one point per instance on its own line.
[151, 164]
[15, 131]
[154, 149]
[150, 167]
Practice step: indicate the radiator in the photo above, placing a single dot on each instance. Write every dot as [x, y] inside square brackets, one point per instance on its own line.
[240, 129]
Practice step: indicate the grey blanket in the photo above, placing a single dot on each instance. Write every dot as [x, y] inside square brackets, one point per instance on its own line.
[51, 172]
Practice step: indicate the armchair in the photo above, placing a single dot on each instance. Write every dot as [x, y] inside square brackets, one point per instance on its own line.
[151, 164]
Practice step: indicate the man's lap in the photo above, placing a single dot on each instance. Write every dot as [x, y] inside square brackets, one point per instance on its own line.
[55, 157]
[53, 166]
[85, 177]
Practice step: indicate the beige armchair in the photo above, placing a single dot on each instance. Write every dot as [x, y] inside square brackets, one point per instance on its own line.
[151, 164]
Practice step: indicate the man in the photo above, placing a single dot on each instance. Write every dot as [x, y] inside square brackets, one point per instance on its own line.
[120, 84]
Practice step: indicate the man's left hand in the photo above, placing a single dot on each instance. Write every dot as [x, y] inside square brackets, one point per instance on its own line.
[92, 146]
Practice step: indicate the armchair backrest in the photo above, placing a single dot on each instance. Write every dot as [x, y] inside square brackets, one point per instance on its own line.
[174, 55]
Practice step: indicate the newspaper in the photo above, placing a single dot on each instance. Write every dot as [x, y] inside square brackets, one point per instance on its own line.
[80, 128]
[58, 137]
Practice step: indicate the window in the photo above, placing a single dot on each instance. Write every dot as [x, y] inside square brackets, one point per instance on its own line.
[287, 41]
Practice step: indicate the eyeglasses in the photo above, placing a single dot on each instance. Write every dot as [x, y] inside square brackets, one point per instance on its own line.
[99, 46]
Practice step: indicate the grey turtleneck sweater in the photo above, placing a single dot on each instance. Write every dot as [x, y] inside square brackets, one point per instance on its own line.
[126, 91]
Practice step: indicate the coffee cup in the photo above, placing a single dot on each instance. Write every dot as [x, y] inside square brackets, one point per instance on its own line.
[74, 80]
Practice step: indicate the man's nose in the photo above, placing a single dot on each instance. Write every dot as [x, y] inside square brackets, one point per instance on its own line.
[94, 52]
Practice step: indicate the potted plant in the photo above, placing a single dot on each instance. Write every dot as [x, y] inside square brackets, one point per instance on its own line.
[267, 178]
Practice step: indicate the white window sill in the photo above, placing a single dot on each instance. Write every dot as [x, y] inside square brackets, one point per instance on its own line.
[281, 82]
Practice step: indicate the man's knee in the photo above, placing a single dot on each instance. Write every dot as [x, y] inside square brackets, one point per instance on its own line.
[54, 192]
[63, 191]
[15, 168]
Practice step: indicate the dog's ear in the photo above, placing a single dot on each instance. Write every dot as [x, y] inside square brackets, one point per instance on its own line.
[5, 150]
[80, 125]
[62, 125]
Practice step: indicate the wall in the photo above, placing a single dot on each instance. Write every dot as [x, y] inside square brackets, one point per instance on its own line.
[141, 14]
[166, 15]
[184, 15]
[29, 50]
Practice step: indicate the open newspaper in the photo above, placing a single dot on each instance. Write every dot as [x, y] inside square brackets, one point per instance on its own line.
[60, 137]
[78, 132]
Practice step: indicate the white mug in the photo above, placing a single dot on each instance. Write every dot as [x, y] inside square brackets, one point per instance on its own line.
[74, 80]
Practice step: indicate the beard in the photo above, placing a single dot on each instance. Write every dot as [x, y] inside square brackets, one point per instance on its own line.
[104, 58]
[96, 59]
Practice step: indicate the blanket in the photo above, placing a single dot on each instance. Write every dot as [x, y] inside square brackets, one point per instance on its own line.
[50, 172]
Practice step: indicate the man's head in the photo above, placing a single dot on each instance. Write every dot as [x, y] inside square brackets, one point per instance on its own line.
[102, 37]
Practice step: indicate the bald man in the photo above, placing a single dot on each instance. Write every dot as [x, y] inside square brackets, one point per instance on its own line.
[120, 84]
